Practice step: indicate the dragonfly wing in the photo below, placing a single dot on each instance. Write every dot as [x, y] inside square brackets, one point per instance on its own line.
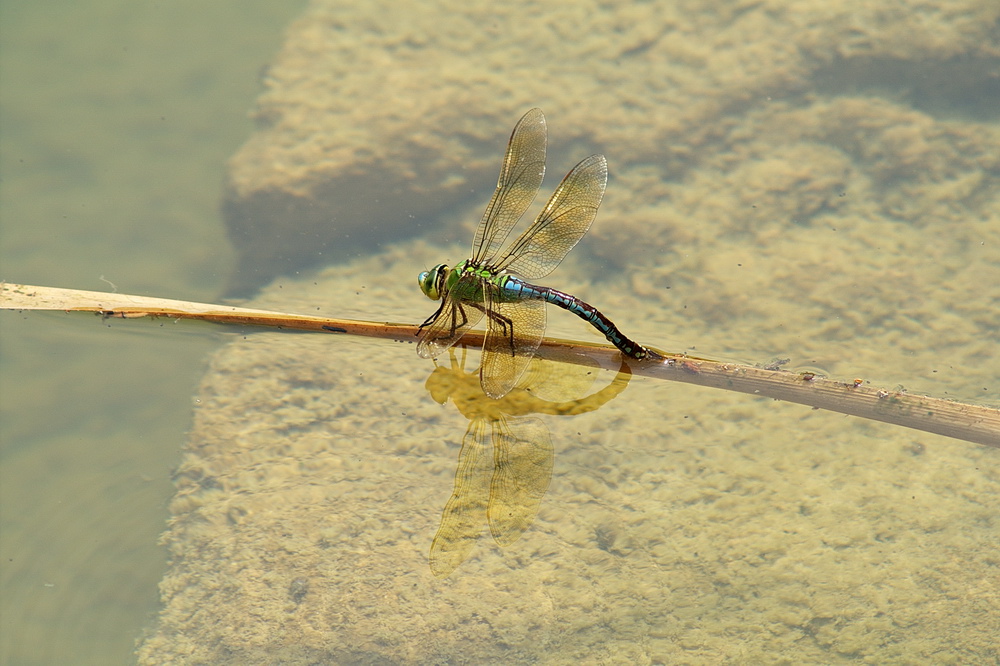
[515, 330]
[463, 517]
[520, 177]
[452, 320]
[561, 224]
[522, 470]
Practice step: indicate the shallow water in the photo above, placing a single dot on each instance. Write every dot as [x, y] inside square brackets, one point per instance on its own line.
[680, 524]
[115, 124]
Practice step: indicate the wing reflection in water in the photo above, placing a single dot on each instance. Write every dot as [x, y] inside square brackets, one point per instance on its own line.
[505, 463]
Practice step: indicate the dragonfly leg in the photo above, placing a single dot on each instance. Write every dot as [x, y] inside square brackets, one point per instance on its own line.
[430, 320]
[455, 325]
[456, 313]
[505, 323]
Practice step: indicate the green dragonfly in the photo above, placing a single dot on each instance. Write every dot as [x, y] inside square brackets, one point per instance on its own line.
[493, 284]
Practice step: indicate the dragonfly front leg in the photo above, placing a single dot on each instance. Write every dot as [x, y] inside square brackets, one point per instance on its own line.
[430, 320]
[458, 320]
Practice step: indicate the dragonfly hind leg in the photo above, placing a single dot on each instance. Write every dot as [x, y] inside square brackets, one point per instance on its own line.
[506, 325]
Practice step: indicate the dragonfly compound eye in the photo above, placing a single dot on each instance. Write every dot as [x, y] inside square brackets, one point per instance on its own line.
[431, 281]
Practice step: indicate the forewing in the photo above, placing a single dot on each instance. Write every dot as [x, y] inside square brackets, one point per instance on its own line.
[515, 330]
[520, 177]
[453, 319]
[561, 224]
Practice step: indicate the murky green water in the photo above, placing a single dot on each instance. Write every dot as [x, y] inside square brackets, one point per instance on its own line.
[116, 119]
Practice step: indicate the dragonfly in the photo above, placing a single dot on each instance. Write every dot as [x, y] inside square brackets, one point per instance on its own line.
[493, 284]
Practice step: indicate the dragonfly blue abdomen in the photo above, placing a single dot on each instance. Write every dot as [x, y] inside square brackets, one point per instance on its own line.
[516, 290]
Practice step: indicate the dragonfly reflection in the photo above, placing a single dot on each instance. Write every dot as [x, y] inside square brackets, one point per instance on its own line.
[505, 464]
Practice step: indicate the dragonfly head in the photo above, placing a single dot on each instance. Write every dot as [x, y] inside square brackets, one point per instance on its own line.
[432, 282]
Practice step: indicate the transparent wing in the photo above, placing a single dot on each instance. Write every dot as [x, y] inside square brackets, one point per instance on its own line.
[561, 224]
[451, 321]
[515, 330]
[522, 470]
[464, 514]
[520, 177]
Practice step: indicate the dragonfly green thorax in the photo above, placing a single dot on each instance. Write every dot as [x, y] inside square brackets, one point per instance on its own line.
[492, 284]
